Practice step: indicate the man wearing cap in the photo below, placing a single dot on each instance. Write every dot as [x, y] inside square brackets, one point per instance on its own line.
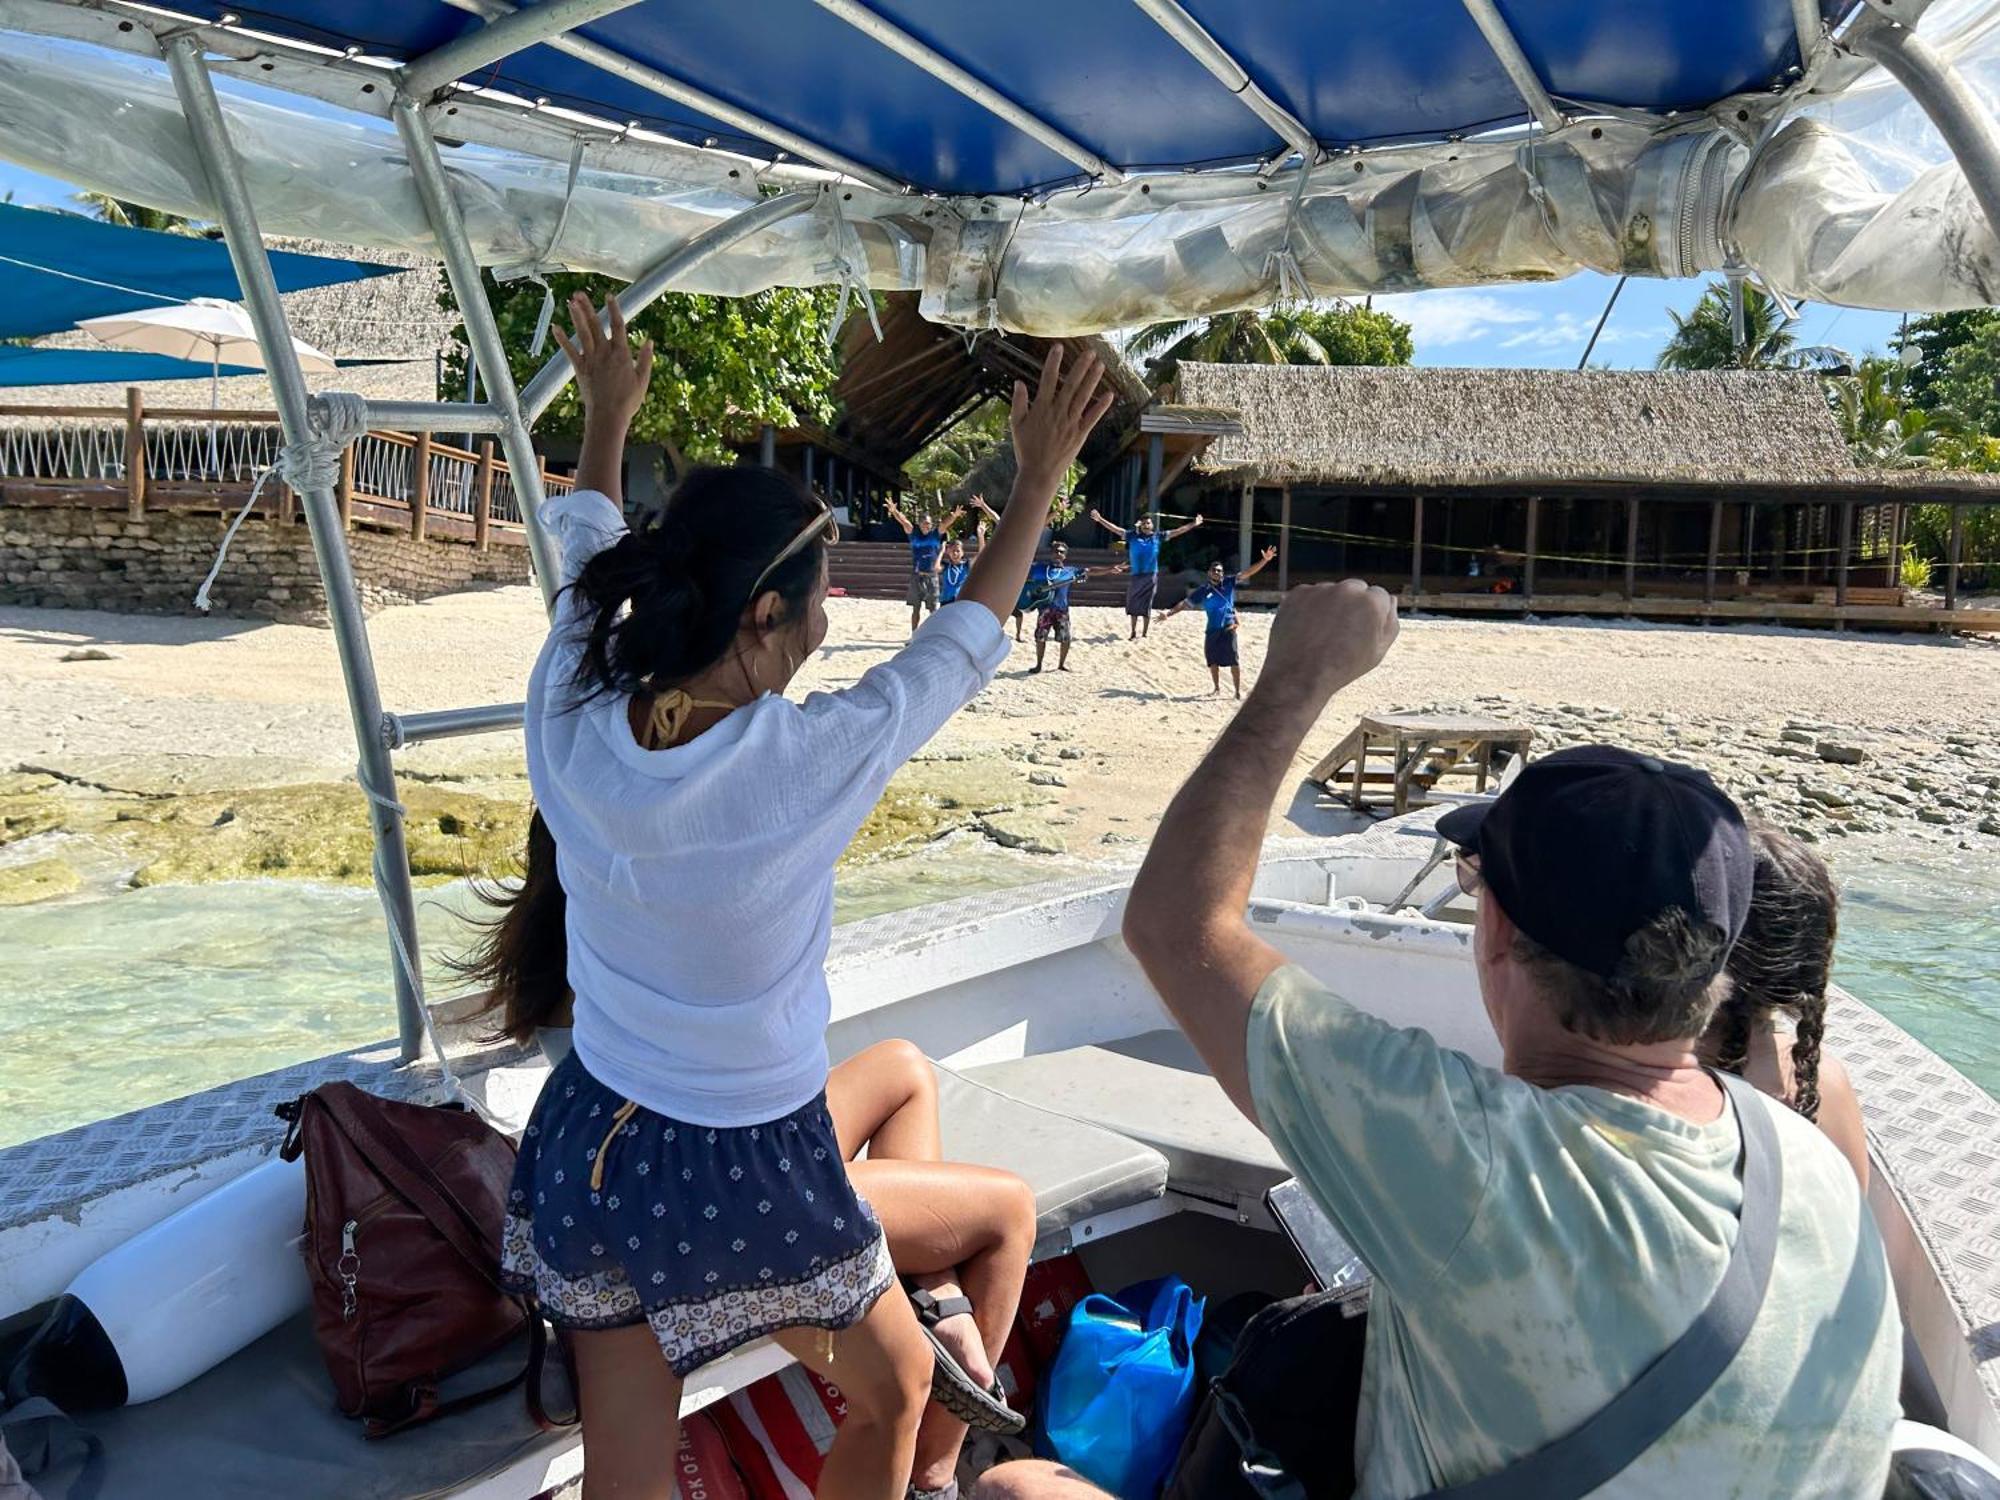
[1541, 1235]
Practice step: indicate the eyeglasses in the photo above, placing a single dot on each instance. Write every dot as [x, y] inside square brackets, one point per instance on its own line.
[824, 524]
[1466, 868]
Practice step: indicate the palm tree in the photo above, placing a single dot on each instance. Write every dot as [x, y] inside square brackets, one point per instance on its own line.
[129, 215]
[1277, 337]
[1706, 340]
[1881, 429]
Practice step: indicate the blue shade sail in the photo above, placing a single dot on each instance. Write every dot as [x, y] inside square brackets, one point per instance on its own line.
[58, 269]
[19, 367]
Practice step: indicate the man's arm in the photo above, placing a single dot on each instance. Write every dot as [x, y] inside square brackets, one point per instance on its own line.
[1185, 921]
[1263, 560]
[1117, 531]
[897, 516]
[1180, 531]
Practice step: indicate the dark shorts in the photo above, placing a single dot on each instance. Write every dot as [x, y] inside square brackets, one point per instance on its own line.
[923, 590]
[1052, 622]
[1139, 593]
[711, 1236]
[1220, 648]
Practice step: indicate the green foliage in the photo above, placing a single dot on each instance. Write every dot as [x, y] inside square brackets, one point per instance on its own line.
[1913, 571]
[723, 366]
[1934, 336]
[1705, 338]
[128, 215]
[977, 458]
[1965, 386]
[1882, 430]
[1930, 535]
[1341, 334]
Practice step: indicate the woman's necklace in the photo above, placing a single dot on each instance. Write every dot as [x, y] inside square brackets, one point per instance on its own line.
[670, 713]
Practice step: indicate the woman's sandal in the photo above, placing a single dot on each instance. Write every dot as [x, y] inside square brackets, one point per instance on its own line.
[952, 1386]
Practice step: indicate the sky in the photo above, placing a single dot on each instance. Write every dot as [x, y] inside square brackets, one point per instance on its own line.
[1542, 324]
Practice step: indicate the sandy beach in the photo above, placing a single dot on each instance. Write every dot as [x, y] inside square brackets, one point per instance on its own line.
[1080, 762]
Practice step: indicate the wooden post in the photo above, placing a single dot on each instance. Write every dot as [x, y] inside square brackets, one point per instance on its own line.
[810, 455]
[1631, 550]
[1953, 551]
[1528, 549]
[1416, 548]
[1714, 547]
[1846, 558]
[767, 446]
[420, 487]
[1156, 450]
[1245, 516]
[1284, 539]
[135, 453]
[343, 493]
[1895, 578]
[482, 507]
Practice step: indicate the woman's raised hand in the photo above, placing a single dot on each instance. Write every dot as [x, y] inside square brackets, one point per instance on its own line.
[1050, 427]
[610, 377]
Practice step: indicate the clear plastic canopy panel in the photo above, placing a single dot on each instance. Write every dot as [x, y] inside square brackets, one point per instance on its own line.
[1060, 169]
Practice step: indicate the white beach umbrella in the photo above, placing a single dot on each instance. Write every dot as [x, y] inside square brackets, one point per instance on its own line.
[204, 328]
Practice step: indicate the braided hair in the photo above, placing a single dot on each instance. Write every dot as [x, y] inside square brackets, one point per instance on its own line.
[1782, 962]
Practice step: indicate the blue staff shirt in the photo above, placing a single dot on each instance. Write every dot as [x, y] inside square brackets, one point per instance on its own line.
[1057, 579]
[924, 550]
[1219, 602]
[1143, 552]
[951, 578]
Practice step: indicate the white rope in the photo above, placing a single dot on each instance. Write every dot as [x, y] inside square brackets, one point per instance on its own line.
[406, 962]
[311, 465]
[850, 266]
[1282, 264]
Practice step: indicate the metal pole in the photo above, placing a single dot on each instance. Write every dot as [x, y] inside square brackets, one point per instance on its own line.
[481, 332]
[952, 76]
[1156, 449]
[499, 39]
[1944, 97]
[1514, 62]
[658, 278]
[427, 416]
[1212, 55]
[1602, 318]
[343, 601]
[399, 730]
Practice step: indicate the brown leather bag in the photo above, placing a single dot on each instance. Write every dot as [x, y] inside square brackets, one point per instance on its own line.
[404, 1205]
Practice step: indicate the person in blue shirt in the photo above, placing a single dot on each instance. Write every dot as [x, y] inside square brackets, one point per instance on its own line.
[1217, 598]
[1051, 596]
[926, 553]
[955, 565]
[1142, 553]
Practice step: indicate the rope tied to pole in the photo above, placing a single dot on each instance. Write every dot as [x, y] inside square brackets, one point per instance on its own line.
[850, 265]
[338, 419]
[1282, 264]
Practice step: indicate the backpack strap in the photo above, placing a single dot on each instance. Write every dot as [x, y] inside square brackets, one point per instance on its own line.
[1666, 1390]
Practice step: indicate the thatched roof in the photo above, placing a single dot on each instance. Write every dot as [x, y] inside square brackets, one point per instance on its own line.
[1450, 427]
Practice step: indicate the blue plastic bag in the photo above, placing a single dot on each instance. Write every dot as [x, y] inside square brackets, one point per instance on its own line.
[1117, 1401]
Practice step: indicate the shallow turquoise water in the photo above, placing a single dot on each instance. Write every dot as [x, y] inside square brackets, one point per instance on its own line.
[121, 1001]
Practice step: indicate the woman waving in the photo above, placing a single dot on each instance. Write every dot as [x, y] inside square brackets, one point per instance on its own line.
[681, 1190]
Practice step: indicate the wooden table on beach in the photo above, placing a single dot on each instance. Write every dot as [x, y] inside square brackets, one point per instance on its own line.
[1419, 751]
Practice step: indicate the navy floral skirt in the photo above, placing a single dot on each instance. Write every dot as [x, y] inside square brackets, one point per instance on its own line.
[713, 1236]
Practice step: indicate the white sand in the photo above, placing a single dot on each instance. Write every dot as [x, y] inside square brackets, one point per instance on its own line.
[1141, 713]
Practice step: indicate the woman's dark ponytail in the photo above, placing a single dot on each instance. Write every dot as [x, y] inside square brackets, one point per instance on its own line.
[666, 601]
[1783, 961]
[522, 955]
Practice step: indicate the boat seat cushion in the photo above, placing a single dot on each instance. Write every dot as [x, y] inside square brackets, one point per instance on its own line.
[1155, 1089]
[1078, 1168]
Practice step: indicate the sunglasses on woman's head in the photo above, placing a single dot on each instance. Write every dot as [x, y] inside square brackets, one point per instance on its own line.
[824, 524]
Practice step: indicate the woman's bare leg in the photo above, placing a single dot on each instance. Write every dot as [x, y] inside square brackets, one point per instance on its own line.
[631, 1405]
[1033, 1479]
[883, 1367]
[951, 1228]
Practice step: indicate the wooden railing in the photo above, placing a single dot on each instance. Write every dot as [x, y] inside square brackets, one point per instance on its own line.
[180, 459]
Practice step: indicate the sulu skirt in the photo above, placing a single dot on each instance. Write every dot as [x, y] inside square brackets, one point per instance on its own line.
[1219, 648]
[712, 1236]
[1139, 594]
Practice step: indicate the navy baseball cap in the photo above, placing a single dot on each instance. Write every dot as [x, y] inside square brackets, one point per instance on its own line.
[1589, 845]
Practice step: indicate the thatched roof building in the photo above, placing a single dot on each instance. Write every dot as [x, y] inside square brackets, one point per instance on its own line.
[1451, 429]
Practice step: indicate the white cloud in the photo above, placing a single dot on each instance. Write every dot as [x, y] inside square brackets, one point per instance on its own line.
[1443, 318]
[1568, 330]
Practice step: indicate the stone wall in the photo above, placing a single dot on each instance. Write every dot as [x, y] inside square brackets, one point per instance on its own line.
[64, 557]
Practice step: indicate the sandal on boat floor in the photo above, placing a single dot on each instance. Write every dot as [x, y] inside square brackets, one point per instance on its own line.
[952, 1386]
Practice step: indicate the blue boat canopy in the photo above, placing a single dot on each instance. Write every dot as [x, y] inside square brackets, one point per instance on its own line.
[1062, 169]
[62, 268]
